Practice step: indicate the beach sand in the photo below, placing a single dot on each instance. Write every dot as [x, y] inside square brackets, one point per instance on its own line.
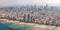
[29, 24]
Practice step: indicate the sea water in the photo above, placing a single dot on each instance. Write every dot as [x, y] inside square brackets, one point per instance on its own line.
[12, 26]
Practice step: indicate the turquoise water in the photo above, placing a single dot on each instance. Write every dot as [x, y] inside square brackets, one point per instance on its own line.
[12, 26]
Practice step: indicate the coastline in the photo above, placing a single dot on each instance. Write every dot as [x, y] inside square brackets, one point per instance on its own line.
[29, 24]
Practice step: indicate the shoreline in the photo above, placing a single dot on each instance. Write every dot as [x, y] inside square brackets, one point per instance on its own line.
[30, 24]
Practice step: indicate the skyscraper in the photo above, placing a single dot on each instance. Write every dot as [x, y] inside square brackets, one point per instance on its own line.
[24, 18]
[46, 7]
[29, 17]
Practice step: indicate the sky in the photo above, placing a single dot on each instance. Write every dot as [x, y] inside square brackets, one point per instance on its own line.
[29, 2]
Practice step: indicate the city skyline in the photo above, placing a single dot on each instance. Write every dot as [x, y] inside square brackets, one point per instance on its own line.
[29, 2]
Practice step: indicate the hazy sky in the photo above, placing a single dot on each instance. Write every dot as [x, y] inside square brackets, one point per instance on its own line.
[29, 2]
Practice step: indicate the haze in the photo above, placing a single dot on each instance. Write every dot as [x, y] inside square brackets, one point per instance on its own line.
[29, 2]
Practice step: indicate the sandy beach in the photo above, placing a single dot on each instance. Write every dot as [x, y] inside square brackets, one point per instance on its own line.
[29, 24]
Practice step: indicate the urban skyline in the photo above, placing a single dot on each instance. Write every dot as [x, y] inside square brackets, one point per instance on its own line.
[29, 2]
[47, 15]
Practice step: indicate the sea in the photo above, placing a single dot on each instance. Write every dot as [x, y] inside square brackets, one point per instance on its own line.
[12, 26]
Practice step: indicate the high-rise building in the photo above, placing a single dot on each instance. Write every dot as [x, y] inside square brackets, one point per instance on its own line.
[24, 18]
[29, 17]
[46, 7]
[32, 19]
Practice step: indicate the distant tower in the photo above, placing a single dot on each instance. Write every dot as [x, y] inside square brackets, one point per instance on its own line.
[46, 7]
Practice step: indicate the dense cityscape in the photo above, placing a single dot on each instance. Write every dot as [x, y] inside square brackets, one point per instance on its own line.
[43, 15]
